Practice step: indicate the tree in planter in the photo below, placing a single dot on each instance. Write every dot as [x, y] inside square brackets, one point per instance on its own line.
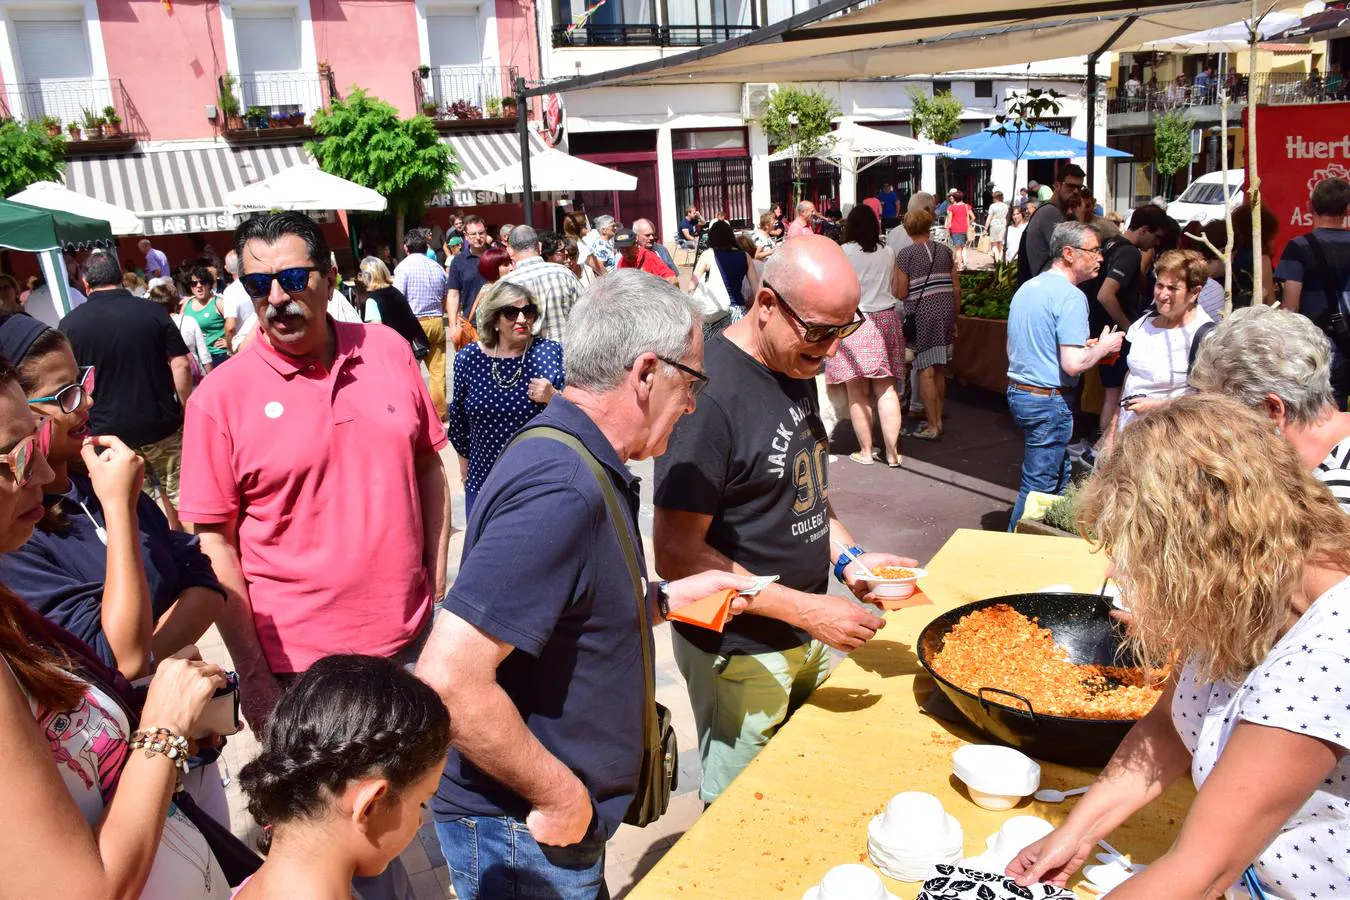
[937, 119]
[29, 153]
[362, 139]
[1024, 116]
[801, 117]
[1171, 145]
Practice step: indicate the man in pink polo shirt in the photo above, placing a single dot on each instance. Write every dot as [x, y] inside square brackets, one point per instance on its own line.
[311, 470]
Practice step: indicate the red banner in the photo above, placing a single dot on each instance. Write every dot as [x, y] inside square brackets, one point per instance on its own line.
[1298, 146]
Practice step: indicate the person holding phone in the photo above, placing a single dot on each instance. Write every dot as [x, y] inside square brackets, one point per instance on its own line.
[87, 795]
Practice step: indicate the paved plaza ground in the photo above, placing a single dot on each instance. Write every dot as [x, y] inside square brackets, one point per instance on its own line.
[967, 480]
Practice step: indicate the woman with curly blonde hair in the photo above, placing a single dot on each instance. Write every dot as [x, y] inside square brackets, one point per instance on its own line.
[1235, 562]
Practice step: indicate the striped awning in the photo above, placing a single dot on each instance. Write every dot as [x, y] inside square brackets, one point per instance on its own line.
[480, 153]
[179, 190]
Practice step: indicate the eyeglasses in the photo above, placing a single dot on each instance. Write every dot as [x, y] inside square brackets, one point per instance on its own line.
[700, 378]
[814, 332]
[72, 396]
[512, 313]
[293, 280]
[22, 458]
[1095, 251]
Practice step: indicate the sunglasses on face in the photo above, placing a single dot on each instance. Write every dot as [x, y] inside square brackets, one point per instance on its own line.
[814, 332]
[512, 313]
[72, 396]
[23, 457]
[196, 283]
[293, 281]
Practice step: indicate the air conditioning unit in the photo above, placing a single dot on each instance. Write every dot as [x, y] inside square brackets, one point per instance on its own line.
[755, 100]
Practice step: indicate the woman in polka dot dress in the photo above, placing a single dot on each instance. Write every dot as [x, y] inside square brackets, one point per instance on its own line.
[1235, 564]
[501, 382]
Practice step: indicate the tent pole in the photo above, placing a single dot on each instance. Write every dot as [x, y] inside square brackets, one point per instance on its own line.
[523, 129]
[1092, 121]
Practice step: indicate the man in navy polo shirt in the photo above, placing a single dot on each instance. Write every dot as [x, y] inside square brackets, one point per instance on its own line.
[536, 654]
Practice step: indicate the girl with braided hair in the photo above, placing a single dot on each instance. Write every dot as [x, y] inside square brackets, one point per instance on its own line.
[353, 750]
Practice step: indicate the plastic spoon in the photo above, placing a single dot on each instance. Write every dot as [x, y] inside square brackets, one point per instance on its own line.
[1117, 854]
[1050, 795]
[843, 548]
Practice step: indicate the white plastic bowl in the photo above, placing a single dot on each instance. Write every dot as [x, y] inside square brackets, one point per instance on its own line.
[851, 881]
[913, 818]
[895, 588]
[996, 777]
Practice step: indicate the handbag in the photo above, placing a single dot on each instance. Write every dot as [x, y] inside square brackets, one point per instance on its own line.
[462, 332]
[659, 774]
[910, 325]
[710, 294]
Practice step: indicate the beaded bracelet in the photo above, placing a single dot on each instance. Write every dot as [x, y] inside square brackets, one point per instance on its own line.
[164, 741]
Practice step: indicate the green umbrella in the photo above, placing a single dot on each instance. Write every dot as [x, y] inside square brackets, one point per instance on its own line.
[31, 228]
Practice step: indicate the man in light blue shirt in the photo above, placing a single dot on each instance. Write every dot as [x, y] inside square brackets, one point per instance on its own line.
[1048, 348]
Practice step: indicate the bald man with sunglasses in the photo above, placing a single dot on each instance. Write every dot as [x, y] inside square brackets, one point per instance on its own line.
[743, 487]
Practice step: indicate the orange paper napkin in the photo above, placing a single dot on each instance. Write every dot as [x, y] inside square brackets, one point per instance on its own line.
[710, 612]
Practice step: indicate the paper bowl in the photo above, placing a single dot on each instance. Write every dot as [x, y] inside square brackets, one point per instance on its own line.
[912, 818]
[996, 777]
[851, 881]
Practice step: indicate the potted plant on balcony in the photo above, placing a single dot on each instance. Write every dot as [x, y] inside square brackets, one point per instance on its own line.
[494, 108]
[509, 106]
[227, 104]
[112, 126]
[463, 109]
[424, 71]
[429, 108]
[93, 124]
[296, 118]
[53, 125]
[73, 129]
[256, 117]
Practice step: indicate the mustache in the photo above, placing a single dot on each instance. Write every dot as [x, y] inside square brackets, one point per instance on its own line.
[290, 309]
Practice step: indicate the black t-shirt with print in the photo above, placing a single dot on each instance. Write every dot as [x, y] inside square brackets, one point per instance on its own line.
[1122, 261]
[753, 455]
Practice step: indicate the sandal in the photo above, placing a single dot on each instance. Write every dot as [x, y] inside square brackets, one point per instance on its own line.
[927, 434]
[899, 461]
[860, 459]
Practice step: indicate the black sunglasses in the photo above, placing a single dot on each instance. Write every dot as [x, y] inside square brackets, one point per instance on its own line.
[512, 313]
[814, 332]
[293, 280]
[700, 378]
[196, 283]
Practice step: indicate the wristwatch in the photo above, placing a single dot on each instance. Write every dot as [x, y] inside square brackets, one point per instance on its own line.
[662, 600]
[842, 562]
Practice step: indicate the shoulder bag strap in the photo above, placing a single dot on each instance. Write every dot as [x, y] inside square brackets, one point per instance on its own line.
[1200, 334]
[617, 520]
[1332, 285]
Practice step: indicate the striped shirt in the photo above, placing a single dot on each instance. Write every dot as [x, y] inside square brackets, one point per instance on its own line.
[555, 289]
[1334, 472]
[423, 282]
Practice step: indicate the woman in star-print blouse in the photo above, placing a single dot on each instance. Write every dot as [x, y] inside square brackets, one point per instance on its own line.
[1234, 562]
[501, 381]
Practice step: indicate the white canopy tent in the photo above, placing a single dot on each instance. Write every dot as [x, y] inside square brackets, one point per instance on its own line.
[847, 40]
[552, 171]
[1232, 38]
[304, 187]
[51, 195]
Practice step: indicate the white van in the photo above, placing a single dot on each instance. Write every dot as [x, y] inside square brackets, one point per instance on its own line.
[1202, 201]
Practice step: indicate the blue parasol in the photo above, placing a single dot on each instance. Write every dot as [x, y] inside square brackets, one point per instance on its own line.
[1026, 142]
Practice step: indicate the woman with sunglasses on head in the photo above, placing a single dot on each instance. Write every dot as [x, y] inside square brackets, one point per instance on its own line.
[86, 785]
[501, 381]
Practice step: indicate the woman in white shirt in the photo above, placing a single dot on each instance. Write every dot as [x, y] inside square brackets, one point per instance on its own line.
[166, 295]
[1235, 564]
[1013, 239]
[870, 363]
[1161, 341]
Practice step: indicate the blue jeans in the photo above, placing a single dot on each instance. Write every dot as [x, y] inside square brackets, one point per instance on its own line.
[1047, 423]
[496, 858]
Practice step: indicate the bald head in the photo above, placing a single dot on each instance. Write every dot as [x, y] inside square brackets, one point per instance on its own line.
[816, 277]
[645, 232]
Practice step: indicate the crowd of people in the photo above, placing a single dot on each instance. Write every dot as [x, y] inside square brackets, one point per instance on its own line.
[199, 456]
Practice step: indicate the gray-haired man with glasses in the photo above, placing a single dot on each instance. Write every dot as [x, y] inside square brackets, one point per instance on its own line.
[1048, 348]
[744, 488]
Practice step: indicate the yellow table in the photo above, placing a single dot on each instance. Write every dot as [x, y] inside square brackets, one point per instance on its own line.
[803, 805]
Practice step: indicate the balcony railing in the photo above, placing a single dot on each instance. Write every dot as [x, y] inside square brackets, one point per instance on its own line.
[595, 35]
[1272, 88]
[276, 100]
[463, 92]
[82, 102]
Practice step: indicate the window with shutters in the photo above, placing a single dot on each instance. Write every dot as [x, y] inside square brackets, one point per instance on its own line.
[55, 69]
[459, 67]
[271, 75]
